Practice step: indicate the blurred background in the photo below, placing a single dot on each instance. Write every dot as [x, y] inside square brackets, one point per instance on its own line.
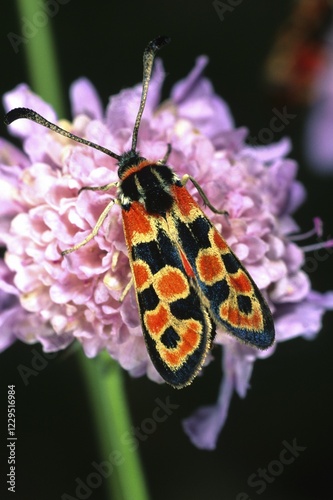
[257, 63]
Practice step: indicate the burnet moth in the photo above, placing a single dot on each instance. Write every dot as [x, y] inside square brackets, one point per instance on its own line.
[186, 278]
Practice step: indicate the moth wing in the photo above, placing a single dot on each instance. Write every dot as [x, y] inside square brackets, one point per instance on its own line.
[176, 326]
[230, 294]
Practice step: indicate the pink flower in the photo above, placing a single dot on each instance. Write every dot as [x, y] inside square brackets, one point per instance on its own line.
[54, 300]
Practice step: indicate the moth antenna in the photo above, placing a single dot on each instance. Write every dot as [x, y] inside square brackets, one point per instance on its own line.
[18, 113]
[148, 61]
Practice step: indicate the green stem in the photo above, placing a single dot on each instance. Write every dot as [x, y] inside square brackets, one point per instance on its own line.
[40, 52]
[107, 395]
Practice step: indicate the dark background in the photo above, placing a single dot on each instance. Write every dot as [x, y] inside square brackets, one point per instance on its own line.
[291, 395]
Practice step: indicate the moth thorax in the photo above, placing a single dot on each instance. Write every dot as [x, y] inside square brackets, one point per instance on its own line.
[150, 186]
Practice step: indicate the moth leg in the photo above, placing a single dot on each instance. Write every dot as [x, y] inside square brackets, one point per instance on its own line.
[126, 289]
[95, 230]
[166, 156]
[206, 201]
[106, 187]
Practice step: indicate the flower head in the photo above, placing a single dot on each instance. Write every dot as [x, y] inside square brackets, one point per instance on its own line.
[54, 300]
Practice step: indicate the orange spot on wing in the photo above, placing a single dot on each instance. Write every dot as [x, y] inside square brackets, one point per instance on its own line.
[157, 320]
[256, 320]
[241, 283]
[171, 285]
[191, 338]
[238, 320]
[185, 202]
[233, 316]
[141, 274]
[219, 241]
[136, 221]
[209, 267]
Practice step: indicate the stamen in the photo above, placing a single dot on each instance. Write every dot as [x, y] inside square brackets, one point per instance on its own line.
[318, 246]
[316, 230]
